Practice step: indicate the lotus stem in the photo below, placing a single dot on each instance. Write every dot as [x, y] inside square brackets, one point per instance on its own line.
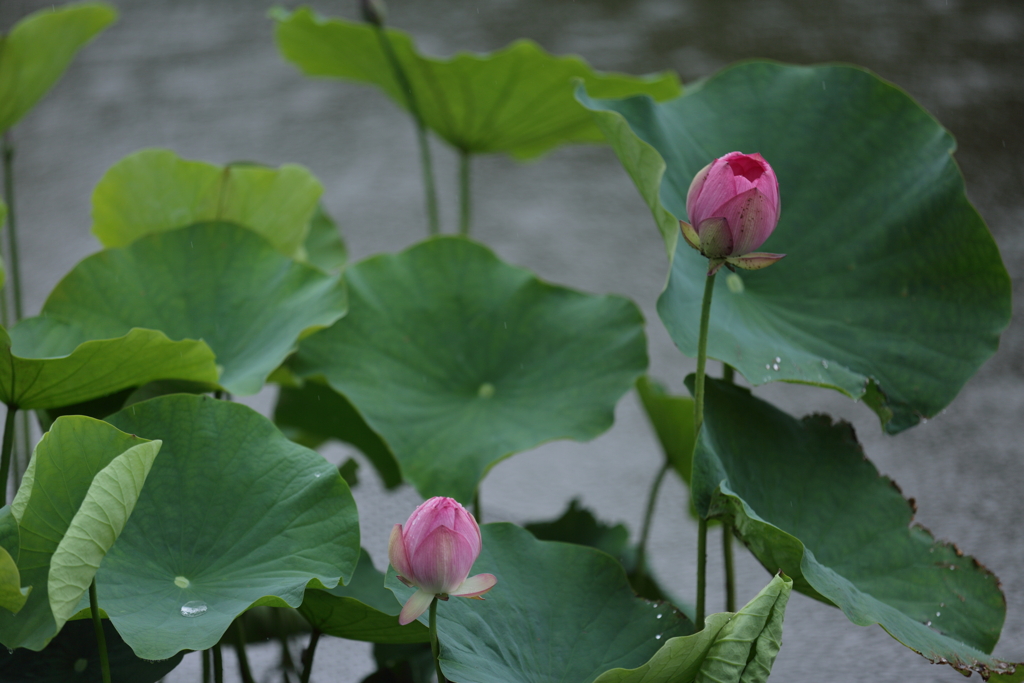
[434, 647]
[730, 572]
[307, 656]
[218, 664]
[698, 420]
[12, 232]
[101, 640]
[645, 532]
[465, 201]
[243, 658]
[5, 453]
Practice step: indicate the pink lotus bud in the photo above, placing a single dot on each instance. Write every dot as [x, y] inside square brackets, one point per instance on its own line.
[434, 552]
[733, 205]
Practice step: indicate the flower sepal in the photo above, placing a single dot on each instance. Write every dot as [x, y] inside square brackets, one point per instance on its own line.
[755, 260]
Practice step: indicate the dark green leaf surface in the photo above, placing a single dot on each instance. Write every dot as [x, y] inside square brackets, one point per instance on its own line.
[79, 463]
[217, 282]
[74, 656]
[155, 190]
[804, 499]
[559, 612]
[33, 376]
[517, 100]
[732, 648]
[579, 525]
[314, 413]
[232, 514]
[892, 288]
[324, 247]
[362, 610]
[34, 55]
[672, 419]
[458, 360]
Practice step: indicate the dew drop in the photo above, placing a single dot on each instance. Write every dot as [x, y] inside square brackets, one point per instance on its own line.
[777, 359]
[80, 665]
[927, 623]
[824, 364]
[657, 637]
[181, 582]
[775, 366]
[659, 616]
[938, 614]
[767, 366]
[942, 604]
[194, 608]
[317, 475]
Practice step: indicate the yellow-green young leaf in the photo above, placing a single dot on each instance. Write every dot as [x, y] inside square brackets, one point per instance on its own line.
[3, 217]
[94, 528]
[38, 50]
[12, 595]
[155, 190]
[32, 378]
[518, 100]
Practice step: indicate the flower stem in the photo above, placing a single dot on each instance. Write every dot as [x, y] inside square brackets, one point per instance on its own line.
[434, 647]
[465, 202]
[243, 658]
[5, 453]
[728, 373]
[218, 665]
[698, 420]
[307, 656]
[101, 640]
[426, 165]
[207, 667]
[730, 572]
[12, 233]
[652, 498]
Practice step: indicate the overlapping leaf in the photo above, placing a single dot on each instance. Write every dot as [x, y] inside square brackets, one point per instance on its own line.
[212, 281]
[12, 594]
[232, 514]
[156, 190]
[83, 482]
[805, 500]
[458, 360]
[732, 648]
[34, 55]
[892, 288]
[361, 610]
[517, 100]
[559, 612]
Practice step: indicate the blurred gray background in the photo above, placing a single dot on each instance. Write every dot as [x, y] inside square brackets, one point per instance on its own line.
[204, 79]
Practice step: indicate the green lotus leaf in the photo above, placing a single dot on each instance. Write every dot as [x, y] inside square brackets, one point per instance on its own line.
[212, 281]
[3, 268]
[324, 247]
[314, 413]
[892, 289]
[518, 100]
[34, 55]
[84, 479]
[579, 525]
[559, 612]
[233, 514]
[155, 190]
[804, 499]
[35, 377]
[458, 360]
[74, 656]
[362, 610]
[672, 419]
[732, 648]
[12, 594]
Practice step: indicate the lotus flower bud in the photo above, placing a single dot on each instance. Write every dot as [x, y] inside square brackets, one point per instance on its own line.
[733, 206]
[434, 552]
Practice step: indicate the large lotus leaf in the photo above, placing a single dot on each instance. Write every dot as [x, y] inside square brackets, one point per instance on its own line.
[79, 467]
[324, 246]
[12, 594]
[732, 648]
[518, 100]
[156, 190]
[233, 514]
[361, 610]
[74, 656]
[892, 288]
[34, 55]
[212, 281]
[3, 268]
[314, 412]
[672, 419]
[33, 377]
[458, 360]
[803, 497]
[559, 612]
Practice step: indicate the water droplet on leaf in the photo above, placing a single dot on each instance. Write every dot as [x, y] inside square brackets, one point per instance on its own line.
[194, 608]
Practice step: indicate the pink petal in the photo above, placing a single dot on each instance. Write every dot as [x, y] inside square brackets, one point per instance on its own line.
[442, 561]
[475, 585]
[695, 187]
[718, 188]
[397, 555]
[417, 604]
[751, 220]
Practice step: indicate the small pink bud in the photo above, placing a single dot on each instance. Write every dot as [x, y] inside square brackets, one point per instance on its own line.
[434, 552]
[733, 205]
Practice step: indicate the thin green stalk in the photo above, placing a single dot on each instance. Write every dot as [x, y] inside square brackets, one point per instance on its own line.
[218, 664]
[207, 666]
[434, 647]
[307, 656]
[5, 453]
[730, 575]
[465, 201]
[698, 420]
[652, 498]
[243, 658]
[101, 640]
[728, 373]
[426, 165]
[702, 570]
[477, 511]
[23, 451]
[12, 232]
